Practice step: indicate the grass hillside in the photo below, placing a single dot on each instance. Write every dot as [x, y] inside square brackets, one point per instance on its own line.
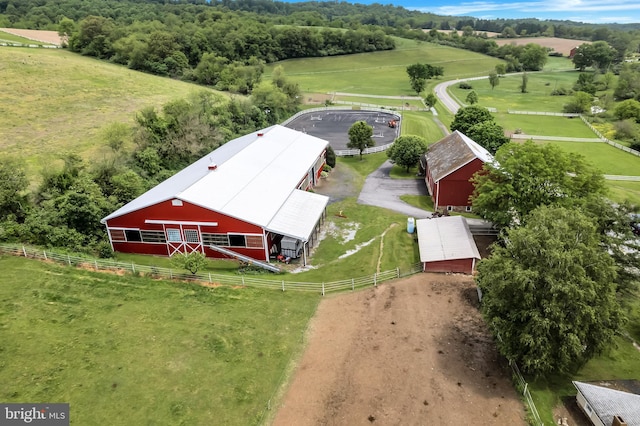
[55, 101]
[124, 350]
[383, 73]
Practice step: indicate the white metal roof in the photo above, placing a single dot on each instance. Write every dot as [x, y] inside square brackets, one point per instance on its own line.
[298, 215]
[445, 238]
[610, 402]
[254, 177]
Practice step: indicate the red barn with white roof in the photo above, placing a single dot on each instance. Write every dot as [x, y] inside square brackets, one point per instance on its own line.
[246, 196]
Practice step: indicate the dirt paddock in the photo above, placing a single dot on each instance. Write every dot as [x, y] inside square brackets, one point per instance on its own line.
[410, 352]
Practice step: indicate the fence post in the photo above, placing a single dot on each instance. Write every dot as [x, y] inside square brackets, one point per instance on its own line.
[45, 254]
[282, 285]
[375, 283]
[242, 280]
[96, 263]
[133, 267]
[210, 277]
[170, 274]
[24, 252]
[524, 392]
[352, 285]
[68, 260]
[398, 272]
[323, 288]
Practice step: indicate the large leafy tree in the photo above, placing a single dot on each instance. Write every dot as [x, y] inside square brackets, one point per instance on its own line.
[360, 136]
[549, 294]
[406, 150]
[13, 189]
[533, 57]
[526, 176]
[468, 117]
[489, 135]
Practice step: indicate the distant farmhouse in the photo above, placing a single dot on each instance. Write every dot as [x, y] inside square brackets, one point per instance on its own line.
[448, 165]
[248, 197]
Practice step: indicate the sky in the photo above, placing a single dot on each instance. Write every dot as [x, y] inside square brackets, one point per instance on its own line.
[591, 11]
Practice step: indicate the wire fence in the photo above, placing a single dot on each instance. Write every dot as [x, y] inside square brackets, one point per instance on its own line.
[210, 278]
[556, 114]
[610, 142]
[523, 386]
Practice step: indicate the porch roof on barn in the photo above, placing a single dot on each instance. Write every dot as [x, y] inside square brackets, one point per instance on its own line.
[249, 178]
[445, 238]
[453, 152]
[611, 402]
[298, 215]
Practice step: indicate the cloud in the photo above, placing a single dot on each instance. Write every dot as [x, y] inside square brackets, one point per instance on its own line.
[540, 7]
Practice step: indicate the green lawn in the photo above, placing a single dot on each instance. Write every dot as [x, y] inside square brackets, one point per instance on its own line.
[382, 73]
[55, 101]
[124, 350]
[506, 95]
[421, 201]
[610, 160]
[396, 104]
[421, 123]
[621, 191]
[545, 125]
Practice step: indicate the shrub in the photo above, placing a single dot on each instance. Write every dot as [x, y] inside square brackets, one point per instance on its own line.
[327, 168]
[561, 91]
[465, 85]
[626, 129]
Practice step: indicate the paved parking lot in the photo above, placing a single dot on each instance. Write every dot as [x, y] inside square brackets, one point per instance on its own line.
[333, 126]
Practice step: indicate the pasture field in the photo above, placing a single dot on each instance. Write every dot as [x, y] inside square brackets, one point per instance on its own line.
[396, 104]
[382, 73]
[610, 160]
[55, 101]
[621, 191]
[543, 125]
[421, 124]
[125, 350]
[507, 95]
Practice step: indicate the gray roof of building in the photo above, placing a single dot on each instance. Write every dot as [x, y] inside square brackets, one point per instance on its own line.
[453, 152]
[445, 238]
[610, 402]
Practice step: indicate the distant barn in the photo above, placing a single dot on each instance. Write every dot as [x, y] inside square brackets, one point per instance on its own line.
[446, 245]
[449, 165]
[245, 197]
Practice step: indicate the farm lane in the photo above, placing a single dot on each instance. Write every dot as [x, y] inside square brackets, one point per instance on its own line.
[444, 96]
[381, 191]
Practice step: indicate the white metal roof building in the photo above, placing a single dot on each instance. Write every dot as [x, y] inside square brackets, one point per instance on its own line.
[446, 245]
[602, 405]
[260, 179]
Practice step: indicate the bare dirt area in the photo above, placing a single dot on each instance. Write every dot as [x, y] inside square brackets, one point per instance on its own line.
[411, 352]
[43, 36]
[561, 45]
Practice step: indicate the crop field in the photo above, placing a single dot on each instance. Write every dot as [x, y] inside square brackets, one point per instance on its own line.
[382, 73]
[55, 101]
[124, 350]
[37, 37]
[561, 45]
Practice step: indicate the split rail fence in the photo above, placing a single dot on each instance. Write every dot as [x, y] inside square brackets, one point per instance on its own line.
[210, 278]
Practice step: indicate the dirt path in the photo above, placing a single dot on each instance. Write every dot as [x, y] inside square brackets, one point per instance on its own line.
[412, 352]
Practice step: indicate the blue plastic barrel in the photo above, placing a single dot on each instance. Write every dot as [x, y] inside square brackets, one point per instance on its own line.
[411, 225]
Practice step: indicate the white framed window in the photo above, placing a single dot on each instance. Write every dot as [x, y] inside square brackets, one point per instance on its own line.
[215, 239]
[468, 208]
[191, 236]
[173, 235]
[117, 235]
[449, 208]
[176, 202]
[153, 237]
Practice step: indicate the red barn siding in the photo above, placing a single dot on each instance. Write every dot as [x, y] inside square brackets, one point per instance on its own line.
[463, 266]
[165, 211]
[455, 188]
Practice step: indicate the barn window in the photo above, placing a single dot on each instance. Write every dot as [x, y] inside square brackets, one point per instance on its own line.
[191, 236]
[117, 235]
[132, 235]
[215, 239]
[236, 240]
[449, 208]
[254, 241]
[468, 208]
[153, 237]
[173, 235]
[176, 202]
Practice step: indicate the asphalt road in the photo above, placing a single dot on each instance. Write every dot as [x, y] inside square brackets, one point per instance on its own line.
[445, 98]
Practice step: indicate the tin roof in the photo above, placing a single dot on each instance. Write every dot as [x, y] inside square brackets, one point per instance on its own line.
[610, 402]
[445, 238]
[453, 152]
[249, 178]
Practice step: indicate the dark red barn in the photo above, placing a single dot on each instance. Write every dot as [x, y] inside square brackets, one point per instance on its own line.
[249, 197]
[449, 164]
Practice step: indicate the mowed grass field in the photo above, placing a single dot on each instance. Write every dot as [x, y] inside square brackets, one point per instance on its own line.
[543, 125]
[124, 350]
[54, 101]
[382, 73]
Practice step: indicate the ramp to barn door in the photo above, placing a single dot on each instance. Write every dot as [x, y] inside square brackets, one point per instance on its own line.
[242, 257]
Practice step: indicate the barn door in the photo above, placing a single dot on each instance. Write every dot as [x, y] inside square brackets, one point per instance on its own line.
[183, 239]
[174, 240]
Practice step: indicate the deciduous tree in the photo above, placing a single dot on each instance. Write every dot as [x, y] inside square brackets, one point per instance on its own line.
[407, 150]
[489, 135]
[469, 116]
[472, 98]
[549, 293]
[360, 136]
[494, 80]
